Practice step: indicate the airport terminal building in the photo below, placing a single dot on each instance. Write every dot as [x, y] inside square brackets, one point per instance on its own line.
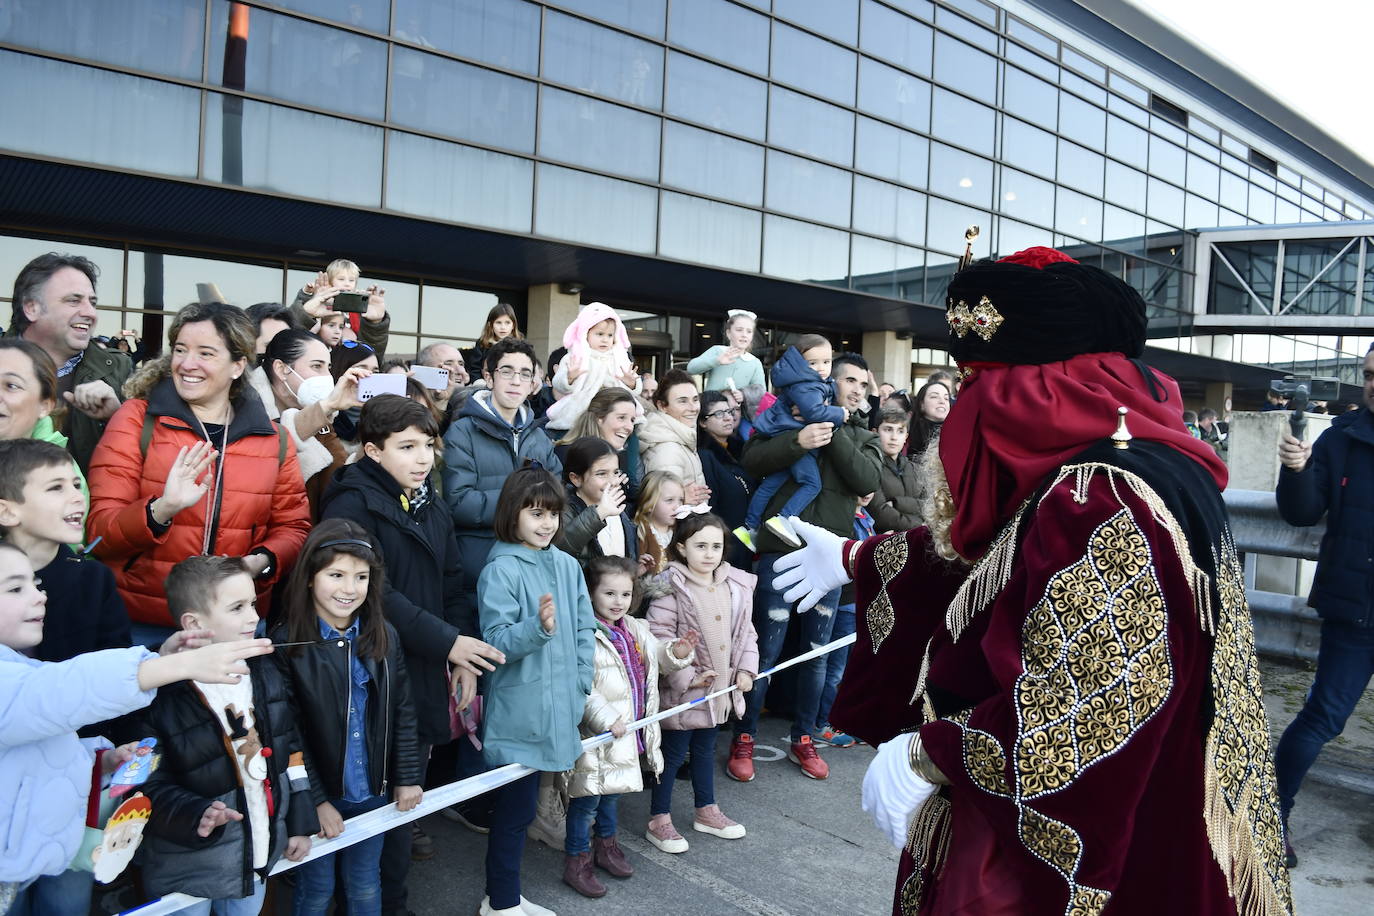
[816, 161]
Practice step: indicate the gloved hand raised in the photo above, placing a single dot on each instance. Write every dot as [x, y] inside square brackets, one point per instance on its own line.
[893, 792]
[813, 571]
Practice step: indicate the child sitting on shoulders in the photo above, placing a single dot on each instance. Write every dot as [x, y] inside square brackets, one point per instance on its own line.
[624, 689]
[713, 598]
[598, 357]
[231, 795]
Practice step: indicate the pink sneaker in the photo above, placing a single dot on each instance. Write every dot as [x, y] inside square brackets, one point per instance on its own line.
[664, 835]
[711, 820]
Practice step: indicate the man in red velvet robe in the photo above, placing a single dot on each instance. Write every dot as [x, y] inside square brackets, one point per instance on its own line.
[1059, 672]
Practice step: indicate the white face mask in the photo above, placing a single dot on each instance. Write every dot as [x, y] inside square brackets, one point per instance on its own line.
[313, 390]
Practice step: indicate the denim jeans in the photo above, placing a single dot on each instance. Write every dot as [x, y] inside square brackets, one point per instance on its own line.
[1345, 663]
[806, 471]
[510, 818]
[582, 811]
[395, 862]
[676, 742]
[360, 868]
[834, 663]
[69, 892]
[236, 906]
[772, 616]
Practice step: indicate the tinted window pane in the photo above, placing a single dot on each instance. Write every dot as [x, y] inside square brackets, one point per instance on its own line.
[1123, 229]
[1233, 191]
[1127, 142]
[835, 18]
[1262, 206]
[304, 62]
[807, 126]
[957, 174]
[1029, 147]
[595, 210]
[813, 64]
[459, 100]
[1167, 160]
[1203, 177]
[887, 210]
[958, 120]
[1080, 168]
[16, 251]
[808, 189]
[1079, 86]
[644, 16]
[1030, 97]
[893, 153]
[1082, 121]
[1078, 215]
[501, 32]
[1199, 213]
[802, 251]
[363, 14]
[698, 160]
[692, 229]
[1013, 236]
[588, 132]
[1026, 197]
[721, 30]
[947, 223]
[958, 64]
[125, 121]
[1032, 62]
[882, 268]
[1126, 186]
[267, 142]
[717, 97]
[453, 312]
[953, 22]
[598, 60]
[458, 183]
[1166, 203]
[163, 36]
[895, 38]
[889, 93]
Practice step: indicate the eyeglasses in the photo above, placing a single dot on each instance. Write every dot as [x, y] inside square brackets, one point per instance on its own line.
[510, 372]
[723, 414]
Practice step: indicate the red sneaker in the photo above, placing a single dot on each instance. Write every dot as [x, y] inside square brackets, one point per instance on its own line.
[741, 765]
[803, 754]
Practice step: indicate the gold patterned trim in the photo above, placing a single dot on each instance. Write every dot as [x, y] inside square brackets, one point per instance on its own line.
[983, 319]
[928, 843]
[889, 557]
[988, 577]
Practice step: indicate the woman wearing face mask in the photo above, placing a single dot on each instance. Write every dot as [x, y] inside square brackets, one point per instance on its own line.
[294, 384]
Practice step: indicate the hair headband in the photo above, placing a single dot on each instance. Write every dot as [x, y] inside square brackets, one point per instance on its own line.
[740, 313]
[685, 511]
[355, 542]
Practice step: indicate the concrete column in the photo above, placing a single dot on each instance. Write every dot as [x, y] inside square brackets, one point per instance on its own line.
[888, 357]
[1216, 396]
[550, 313]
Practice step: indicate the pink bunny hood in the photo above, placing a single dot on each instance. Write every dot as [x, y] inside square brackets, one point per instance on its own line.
[575, 337]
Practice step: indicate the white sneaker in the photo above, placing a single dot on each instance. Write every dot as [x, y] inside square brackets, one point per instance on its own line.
[486, 910]
[782, 528]
[534, 909]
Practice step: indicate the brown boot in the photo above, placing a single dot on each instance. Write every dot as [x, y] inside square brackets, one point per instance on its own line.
[579, 875]
[611, 857]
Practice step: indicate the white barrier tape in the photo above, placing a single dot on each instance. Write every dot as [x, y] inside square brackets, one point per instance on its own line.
[365, 826]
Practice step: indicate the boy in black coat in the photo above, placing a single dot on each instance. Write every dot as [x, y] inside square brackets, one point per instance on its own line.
[232, 794]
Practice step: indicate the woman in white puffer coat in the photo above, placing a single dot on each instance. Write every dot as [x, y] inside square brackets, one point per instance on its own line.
[624, 689]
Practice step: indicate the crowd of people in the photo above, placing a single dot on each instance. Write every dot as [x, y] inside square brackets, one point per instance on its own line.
[320, 599]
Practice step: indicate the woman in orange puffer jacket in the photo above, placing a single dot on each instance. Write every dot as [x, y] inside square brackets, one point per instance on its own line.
[191, 464]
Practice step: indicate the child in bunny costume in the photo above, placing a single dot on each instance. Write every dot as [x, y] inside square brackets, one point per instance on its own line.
[598, 357]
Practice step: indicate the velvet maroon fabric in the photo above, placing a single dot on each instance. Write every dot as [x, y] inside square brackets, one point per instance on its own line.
[1013, 425]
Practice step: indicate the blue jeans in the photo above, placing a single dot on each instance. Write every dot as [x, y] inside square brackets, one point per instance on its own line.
[676, 743]
[772, 615]
[834, 663]
[582, 811]
[510, 818]
[806, 471]
[1345, 663]
[236, 906]
[69, 892]
[361, 870]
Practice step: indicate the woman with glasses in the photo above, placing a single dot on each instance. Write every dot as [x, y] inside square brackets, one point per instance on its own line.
[719, 446]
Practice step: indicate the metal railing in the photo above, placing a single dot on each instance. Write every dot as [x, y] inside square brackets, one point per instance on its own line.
[1285, 627]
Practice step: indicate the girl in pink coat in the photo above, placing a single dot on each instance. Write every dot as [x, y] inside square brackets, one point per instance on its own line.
[716, 600]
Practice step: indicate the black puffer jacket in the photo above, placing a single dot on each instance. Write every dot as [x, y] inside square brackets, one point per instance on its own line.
[198, 767]
[580, 525]
[320, 678]
[424, 580]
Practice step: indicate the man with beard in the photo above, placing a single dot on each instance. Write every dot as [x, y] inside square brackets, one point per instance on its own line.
[1059, 670]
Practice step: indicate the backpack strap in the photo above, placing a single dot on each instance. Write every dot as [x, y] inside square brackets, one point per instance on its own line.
[281, 445]
[146, 434]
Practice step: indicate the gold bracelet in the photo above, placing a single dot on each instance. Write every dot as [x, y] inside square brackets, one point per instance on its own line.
[923, 766]
[850, 557]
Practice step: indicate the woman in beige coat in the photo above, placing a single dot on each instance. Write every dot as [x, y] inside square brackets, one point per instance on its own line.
[668, 435]
[624, 689]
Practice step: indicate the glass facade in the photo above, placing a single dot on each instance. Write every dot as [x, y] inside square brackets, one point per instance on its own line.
[842, 142]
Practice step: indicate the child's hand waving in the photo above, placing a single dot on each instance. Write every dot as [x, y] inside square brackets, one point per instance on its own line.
[684, 647]
[216, 816]
[547, 610]
[408, 797]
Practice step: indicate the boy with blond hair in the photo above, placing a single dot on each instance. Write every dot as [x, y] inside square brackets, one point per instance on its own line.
[314, 304]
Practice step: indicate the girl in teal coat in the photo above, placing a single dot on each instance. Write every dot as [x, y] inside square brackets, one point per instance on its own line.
[534, 607]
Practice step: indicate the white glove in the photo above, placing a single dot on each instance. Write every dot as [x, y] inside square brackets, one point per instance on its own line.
[893, 793]
[813, 571]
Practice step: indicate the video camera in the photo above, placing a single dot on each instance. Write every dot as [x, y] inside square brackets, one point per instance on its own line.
[1300, 390]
